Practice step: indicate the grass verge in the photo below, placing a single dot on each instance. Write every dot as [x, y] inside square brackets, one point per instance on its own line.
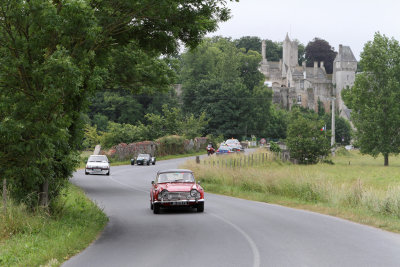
[357, 187]
[40, 239]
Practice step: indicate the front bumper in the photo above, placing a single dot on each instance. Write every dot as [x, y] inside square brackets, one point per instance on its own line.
[183, 202]
[96, 171]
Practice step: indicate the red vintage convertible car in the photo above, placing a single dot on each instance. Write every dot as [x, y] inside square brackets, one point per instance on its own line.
[176, 187]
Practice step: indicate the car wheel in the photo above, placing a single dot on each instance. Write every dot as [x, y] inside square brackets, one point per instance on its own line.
[154, 163]
[200, 207]
[108, 173]
[148, 163]
[156, 208]
[86, 173]
[151, 206]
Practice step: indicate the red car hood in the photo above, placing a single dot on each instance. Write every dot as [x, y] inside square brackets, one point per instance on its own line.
[178, 187]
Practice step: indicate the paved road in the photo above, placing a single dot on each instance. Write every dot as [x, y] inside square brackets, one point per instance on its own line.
[230, 232]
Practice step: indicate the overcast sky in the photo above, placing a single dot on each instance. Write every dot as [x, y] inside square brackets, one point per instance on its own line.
[347, 22]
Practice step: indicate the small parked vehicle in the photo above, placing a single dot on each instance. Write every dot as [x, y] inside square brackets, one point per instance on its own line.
[224, 149]
[234, 144]
[144, 159]
[176, 188]
[97, 164]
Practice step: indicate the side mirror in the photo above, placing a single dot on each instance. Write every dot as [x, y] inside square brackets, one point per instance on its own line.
[152, 182]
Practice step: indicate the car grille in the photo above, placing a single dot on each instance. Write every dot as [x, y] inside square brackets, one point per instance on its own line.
[178, 195]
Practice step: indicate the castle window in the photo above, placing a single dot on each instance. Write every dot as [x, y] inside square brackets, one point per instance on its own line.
[299, 99]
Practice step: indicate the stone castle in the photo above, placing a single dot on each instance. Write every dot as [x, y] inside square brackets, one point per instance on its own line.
[306, 86]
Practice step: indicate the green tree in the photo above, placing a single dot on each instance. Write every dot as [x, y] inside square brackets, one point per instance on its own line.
[224, 82]
[55, 54]
[320, 50]
[249, 43]
[374, 98]
[273, 50]
[305, 140]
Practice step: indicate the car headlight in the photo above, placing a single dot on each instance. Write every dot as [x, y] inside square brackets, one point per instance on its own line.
[194, 193]
[163, 194]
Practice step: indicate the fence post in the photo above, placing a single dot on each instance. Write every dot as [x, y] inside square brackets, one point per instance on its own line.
[198, 159]
[263, 158]
[5, 196]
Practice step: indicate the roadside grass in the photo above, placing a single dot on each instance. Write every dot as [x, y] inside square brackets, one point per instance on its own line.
[115, 162]
[42, 239]
[357, 187]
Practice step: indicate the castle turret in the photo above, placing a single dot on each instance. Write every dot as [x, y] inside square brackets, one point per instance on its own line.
[344, 73]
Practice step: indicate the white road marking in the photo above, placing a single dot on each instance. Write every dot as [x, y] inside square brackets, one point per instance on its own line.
[253, 246]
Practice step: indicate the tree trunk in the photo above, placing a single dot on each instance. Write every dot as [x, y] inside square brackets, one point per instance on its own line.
[386, 159]
[5, 196]
[44, 197]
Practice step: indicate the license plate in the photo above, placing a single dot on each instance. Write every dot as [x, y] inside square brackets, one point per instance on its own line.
[97, 170]
[179, 203]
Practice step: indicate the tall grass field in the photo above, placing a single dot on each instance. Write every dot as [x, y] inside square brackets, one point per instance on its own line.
[41, 239]
[356, 187]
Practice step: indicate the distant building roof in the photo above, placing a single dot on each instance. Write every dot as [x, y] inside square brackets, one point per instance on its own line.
[345, 54]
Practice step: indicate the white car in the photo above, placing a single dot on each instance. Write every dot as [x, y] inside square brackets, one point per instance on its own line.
[234, 144]
[97, 164]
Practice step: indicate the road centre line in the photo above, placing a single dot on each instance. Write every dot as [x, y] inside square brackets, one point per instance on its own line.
[253, 246]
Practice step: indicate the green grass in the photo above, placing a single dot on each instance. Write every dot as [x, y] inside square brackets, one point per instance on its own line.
[38, 238]
[357, 187]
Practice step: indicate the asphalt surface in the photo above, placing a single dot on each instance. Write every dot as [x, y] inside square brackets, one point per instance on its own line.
[230, 232]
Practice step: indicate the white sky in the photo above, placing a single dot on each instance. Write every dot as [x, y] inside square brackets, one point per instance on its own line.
[347, 22]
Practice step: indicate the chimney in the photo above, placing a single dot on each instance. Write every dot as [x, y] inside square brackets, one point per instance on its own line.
[322, 65]
[315, 69]
[340, 49]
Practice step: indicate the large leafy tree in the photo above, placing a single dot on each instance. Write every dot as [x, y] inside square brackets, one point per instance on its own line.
[224, 82]
[54, 54]
[249, 43]
[375, 98]
[320, 50]
[305, 140]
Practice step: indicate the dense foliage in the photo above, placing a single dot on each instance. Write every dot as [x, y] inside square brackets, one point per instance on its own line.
[224, 82]
[55, 54]
[305, 140]
[375, 98]
[172, 121]
[320, 50]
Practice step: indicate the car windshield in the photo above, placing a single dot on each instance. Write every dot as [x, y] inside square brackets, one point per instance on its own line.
[99, 158]
[232, 141]
[224, 148]
[143, 156]
[175, 177]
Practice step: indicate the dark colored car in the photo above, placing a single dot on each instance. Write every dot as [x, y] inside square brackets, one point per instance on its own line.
[176, 188]
[144, 159]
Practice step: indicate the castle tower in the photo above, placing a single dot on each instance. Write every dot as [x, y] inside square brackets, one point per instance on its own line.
[344, 73]
[290, 52]
[264, 52]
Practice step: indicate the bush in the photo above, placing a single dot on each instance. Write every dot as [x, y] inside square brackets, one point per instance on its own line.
[274, 147]
[170, 145]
